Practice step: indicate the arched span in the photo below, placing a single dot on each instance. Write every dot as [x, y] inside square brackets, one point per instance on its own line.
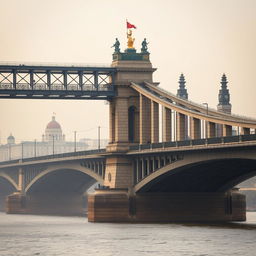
[232, 183]
[207, 174]
[10, 180]
[73, 167]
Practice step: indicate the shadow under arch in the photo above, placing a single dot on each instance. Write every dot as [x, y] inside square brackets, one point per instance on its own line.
[7, 187]
[10, 180]
[206, 175]
[60, 190]
[71, 167]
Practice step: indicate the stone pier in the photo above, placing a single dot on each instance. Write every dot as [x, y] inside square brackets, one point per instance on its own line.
[116, 205]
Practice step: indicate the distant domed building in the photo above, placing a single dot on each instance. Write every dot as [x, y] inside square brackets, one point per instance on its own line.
[53, 142]
[10, 139]
[53, 131]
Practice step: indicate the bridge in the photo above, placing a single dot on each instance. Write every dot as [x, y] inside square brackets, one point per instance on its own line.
[35, 81]
[187, 175]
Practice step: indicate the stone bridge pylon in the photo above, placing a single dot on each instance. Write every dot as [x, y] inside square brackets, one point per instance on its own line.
[134, 119]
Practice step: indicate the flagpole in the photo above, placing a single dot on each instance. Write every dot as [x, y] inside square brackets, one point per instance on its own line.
[126, 28]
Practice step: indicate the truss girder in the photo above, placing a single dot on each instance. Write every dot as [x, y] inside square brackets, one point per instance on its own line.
[56, 82]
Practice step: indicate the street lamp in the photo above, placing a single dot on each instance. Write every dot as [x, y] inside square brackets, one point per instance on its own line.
[206, 124]
[205, 103]
[99, 137]
[22, 150]
[74, 141]
[35, 148]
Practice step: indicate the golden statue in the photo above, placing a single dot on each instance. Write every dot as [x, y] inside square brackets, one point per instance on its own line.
[130, 39]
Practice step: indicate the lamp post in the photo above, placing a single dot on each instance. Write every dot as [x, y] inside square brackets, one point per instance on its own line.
[99, 137]
[35, 148]
[206, 124]
[22, 150]
[75, 141]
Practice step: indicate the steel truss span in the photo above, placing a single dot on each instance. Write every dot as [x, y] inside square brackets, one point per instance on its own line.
[56, 82]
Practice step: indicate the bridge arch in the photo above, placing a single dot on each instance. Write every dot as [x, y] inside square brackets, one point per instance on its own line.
[10, 180]
[71, 167]
[204, 174]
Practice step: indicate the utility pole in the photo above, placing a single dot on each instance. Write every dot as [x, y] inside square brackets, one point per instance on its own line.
[206, 122]
[99, 137]
[53, 145]
[21, 150]
[74, 141]
[35, 148]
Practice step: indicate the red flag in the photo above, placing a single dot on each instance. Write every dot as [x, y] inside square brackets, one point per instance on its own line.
[129, 25]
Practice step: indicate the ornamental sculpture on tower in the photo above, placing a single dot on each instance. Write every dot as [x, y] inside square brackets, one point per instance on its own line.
[131, 40]
[130, 53]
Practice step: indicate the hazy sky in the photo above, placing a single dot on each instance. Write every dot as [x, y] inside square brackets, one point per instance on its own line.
[201, 38]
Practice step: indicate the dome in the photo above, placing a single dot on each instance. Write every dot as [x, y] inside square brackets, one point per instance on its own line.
[53, 132]
[53, 124]
[10, 139]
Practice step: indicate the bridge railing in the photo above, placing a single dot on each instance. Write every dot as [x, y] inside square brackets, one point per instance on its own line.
[55, 156]
[197, 142]
[55, 87]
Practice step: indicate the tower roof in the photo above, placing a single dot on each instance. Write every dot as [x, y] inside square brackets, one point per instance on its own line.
[182, 91]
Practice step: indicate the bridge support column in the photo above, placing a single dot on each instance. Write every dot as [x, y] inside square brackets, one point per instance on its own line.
[121, 206]
[111, 122]
[154, 122]
[121, 120]
[21, 181]
[118, 172]
[145, 120]
[118, 125]
[245, 131]
[211, 130]
[181, 127]
[219, 130]
[195, 128]
[16, 202]
[227, 130]
[167, 124]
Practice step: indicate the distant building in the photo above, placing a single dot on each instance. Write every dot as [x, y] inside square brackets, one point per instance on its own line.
[224, 97]
[53, 142]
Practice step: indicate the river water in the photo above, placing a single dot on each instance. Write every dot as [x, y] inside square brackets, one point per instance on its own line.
[23, 235]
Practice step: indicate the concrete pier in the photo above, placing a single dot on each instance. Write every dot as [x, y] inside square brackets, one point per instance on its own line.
[117, 206]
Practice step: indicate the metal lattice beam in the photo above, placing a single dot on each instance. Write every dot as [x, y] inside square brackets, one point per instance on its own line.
[56, 82]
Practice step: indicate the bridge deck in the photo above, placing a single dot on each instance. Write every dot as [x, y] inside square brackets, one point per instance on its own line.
[231, 141]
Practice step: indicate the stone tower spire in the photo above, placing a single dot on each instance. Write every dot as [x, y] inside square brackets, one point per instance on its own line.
[224, 97]
[182, 91]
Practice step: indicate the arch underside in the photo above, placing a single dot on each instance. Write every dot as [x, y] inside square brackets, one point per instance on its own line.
[218, 175]
[59, 191]
[62, 181]
[6, 188]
